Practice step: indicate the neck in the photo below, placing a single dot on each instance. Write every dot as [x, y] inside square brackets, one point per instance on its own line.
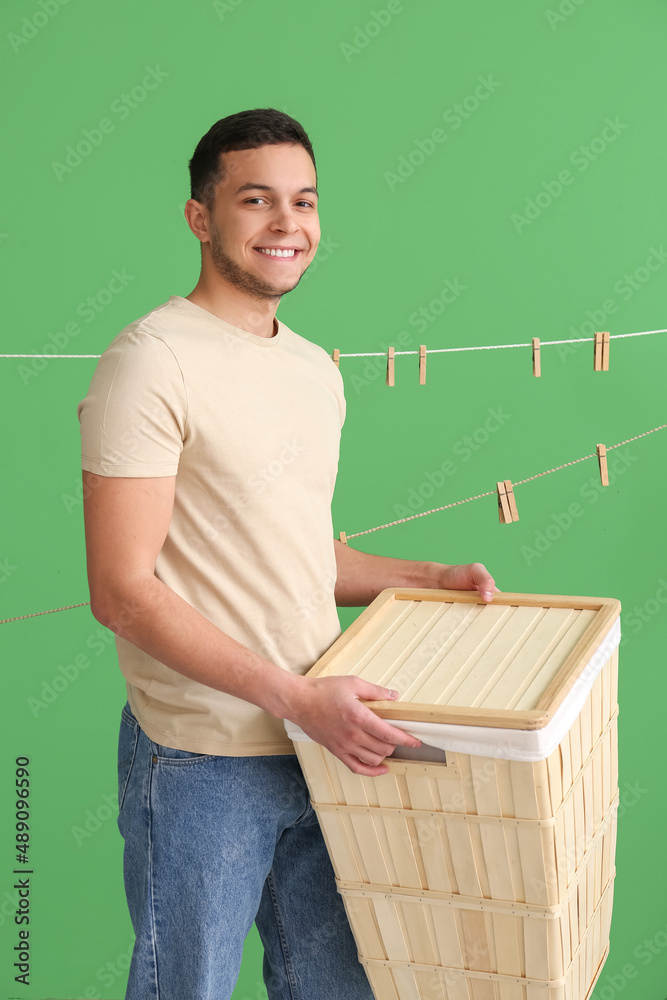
[229, 303]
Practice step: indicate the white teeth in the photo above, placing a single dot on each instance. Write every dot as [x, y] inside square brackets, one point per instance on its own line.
[277, 253]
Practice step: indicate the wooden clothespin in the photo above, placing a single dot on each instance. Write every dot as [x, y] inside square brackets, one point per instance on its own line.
[336, 356]
[422, 364]
[601, 352]
[390, 366]
[536, 356]
[602, 460]
[605, 353]
[507, 511]
[342, 537]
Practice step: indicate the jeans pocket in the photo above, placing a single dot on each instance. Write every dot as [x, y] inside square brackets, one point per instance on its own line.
[170, 755]
[128, 738]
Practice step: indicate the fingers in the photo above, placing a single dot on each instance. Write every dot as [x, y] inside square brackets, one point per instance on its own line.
[373, 726]
[335, 716]
[387, 734]
[399, 738]
[374, 746]
[483, 581]
[358, 767]
[373, 692]
[469, 576]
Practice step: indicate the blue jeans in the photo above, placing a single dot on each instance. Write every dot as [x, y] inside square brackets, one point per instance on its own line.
[211, 844]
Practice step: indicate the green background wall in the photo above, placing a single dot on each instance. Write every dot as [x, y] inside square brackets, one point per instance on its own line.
[556, 76]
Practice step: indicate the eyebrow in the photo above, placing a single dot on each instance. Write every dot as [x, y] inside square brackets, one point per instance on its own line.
[250, 186]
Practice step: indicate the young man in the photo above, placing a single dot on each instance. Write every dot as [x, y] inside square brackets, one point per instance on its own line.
[210, 442]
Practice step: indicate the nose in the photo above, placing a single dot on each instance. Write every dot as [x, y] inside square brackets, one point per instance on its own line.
[284, 220]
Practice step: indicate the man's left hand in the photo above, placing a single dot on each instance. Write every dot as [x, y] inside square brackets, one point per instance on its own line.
[472, 576]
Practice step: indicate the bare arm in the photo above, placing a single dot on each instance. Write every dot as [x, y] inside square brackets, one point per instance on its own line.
[126, 522]
[361, 576]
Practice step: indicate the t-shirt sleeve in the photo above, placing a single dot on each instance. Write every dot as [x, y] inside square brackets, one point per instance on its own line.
[133, 418]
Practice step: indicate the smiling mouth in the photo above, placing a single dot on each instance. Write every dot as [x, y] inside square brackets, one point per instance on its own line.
[288, 253]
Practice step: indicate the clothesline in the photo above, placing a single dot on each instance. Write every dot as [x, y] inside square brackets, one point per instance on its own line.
[380, 354]
[498, 347]
[489, 493]
[456, 503]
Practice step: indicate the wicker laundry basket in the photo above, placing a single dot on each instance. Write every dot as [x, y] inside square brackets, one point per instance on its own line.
[481, 867]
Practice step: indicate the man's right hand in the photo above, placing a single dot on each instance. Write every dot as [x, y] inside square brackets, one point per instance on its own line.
[330, 711]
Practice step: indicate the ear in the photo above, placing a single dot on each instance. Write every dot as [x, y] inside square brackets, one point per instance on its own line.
[197, 217]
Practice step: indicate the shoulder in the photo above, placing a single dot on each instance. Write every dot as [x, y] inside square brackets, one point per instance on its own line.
[308, 348]
[161, 327]
[144, 353]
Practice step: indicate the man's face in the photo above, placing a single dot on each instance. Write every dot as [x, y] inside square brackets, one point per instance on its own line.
[266, 200]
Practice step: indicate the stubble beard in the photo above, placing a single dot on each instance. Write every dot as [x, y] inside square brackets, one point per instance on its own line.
[243, 280]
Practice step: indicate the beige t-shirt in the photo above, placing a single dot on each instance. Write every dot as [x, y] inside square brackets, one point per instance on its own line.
[250, 426]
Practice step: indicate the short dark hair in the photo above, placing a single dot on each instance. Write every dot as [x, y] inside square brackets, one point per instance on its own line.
[243, 130]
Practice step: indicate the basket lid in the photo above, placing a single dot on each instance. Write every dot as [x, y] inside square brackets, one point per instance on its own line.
[455, 659]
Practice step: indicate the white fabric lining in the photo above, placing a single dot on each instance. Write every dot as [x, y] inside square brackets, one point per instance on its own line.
[507, 744]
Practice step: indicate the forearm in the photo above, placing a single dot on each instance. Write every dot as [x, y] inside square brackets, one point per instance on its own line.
[361, 576]
[153, 617]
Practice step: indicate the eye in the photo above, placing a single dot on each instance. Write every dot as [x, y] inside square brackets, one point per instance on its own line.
[250, 201]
